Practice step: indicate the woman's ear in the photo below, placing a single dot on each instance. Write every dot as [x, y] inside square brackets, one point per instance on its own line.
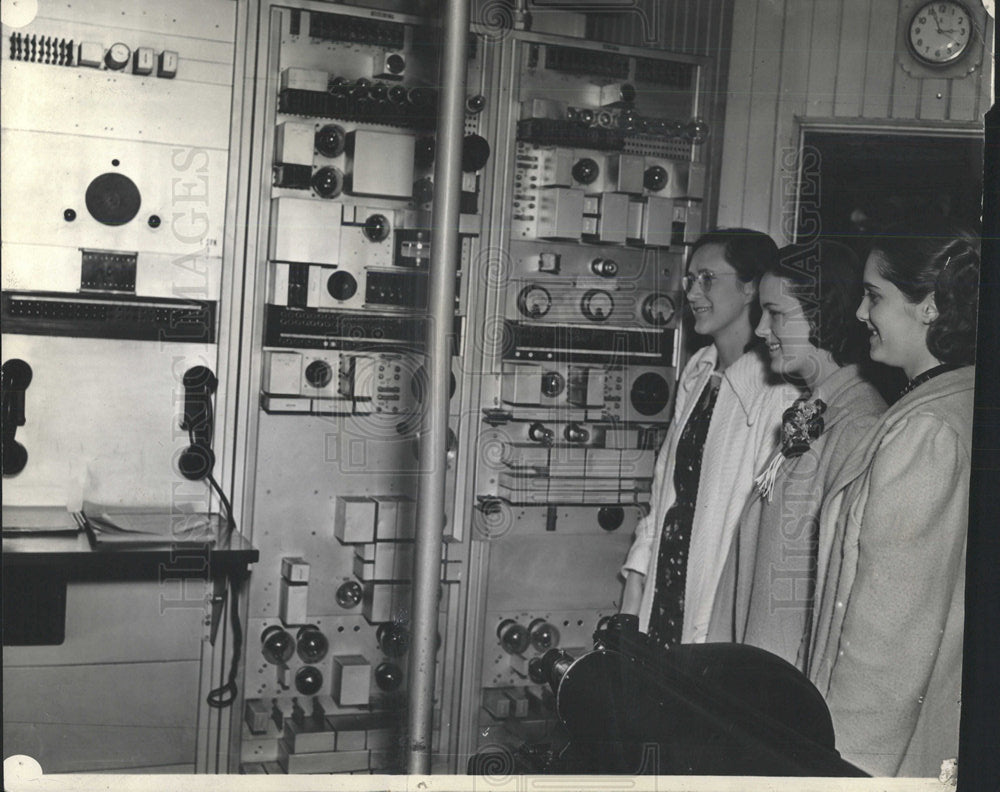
[927, 309]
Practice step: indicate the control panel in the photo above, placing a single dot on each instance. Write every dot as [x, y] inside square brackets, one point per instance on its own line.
[347, 193]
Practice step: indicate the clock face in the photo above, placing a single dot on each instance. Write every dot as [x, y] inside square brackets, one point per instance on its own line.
[940, 32]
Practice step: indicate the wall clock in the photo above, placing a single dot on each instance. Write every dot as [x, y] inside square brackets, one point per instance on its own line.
[940, 32]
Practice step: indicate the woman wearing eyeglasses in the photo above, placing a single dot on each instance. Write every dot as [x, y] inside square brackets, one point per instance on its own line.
[808, 298]
[726, 416]
[887, 637]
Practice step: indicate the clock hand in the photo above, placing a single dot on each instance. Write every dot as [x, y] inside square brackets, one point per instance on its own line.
[937, 22]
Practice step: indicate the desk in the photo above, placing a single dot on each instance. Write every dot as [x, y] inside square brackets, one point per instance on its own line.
[31, 561]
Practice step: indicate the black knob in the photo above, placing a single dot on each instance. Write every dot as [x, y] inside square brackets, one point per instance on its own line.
[585, 170]
[553, 384]
[330, 140]
[395, 63]
[379, 92]
[277, 645]
[376, 227]
[423, 152]
[610, 518]
[574, 433]
[475, 153]
[311, 645]
[475, 104]
[585, 117]
[627, 93]
[423, 191]
[606, 268]
[342, 285]
[513, 637]
[393, 639]
[655, 178]
[388, 676]
[154, 221]
[650, 393]
[69, 215]
[327, 182]
[319, 374]
[308, 680]
[349, 594]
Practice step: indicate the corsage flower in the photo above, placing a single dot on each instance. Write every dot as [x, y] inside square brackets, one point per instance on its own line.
[800, 425]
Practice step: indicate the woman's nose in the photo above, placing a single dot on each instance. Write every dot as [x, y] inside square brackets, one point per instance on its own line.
[862, 312]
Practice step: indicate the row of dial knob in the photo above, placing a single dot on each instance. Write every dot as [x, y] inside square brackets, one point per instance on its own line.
[535, 301]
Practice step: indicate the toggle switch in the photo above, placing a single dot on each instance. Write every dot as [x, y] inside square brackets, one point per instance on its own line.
[143, 61]
[167, 66]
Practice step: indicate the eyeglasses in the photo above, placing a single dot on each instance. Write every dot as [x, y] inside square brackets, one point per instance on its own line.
[704, 278]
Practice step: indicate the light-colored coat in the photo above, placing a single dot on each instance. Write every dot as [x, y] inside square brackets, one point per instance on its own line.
[741, 436]
[765, 593]
[887, 637]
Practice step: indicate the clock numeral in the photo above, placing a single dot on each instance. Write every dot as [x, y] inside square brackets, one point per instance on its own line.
[923, 20]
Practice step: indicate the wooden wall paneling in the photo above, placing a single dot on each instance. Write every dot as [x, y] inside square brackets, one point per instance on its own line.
[823, 55]
[963, 99]
[763, 116]
[852, 53]
[733, 165]
[905, 94]
[792, 102]
[934, 96]
[881, 59]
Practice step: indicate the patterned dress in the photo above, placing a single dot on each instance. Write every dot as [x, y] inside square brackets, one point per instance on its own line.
[667, 617]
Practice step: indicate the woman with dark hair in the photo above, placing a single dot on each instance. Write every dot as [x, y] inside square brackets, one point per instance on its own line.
[808, 296]
[886, 648]
[727, 412]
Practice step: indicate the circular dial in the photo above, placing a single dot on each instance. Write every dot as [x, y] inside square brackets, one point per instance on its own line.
[342, 285]
[610, 518]
[658, 309]
[327, 182]
[553, 384]
[393, 639]
[349, 594]
[655, 178]
[376, 227]
[650, 393]
[534, 301]
[330, 140]
[319, 374]
[586, 170]
[939, 32]
[117, 57]
[597, 305]
[513, 637]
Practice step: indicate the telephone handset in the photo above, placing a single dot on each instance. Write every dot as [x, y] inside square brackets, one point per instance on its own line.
[16, 376]
[197, 461]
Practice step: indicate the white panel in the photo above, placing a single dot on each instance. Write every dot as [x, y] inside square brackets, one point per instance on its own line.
[185, 187]
[201, 19]
[52, 268]
[164, 111]
[102, 419]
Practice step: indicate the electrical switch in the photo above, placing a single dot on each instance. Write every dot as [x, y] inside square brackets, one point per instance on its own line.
[143, 61]
[167, 66]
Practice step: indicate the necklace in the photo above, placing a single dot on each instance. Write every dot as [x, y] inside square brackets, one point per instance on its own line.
[930, 374]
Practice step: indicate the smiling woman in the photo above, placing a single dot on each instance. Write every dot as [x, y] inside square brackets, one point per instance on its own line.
[725, 423]
[808, 296]
[886, 645]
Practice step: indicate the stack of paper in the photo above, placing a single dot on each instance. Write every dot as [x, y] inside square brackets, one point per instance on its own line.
[107, 525]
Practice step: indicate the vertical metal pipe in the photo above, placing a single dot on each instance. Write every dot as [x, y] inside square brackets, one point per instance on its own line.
[445, 252]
